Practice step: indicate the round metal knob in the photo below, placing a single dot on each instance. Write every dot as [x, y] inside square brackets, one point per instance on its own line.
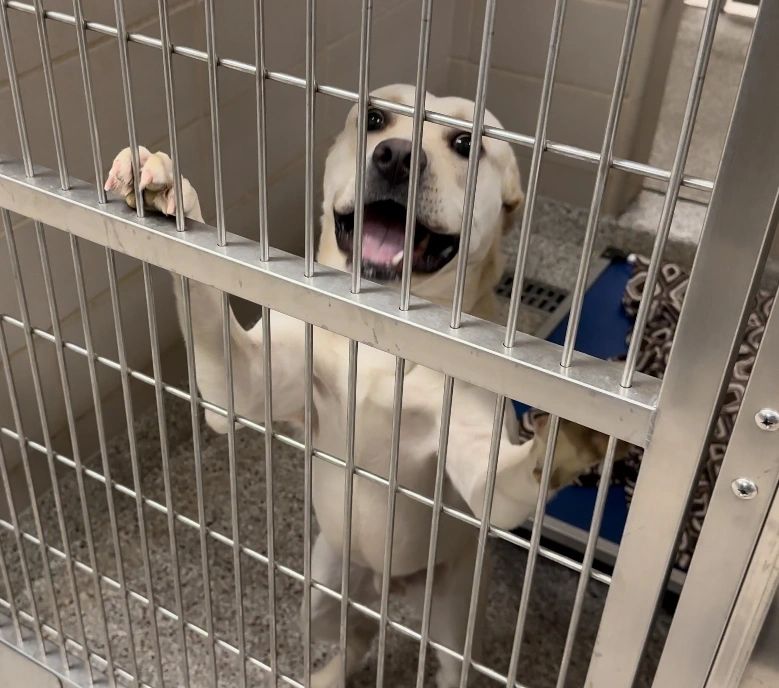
[744, 488]
[767, 419]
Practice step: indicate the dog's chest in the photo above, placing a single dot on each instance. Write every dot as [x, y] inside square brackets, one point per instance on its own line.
[374, 401]
[419, 428]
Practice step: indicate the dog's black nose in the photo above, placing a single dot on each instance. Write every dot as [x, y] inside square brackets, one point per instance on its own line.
[392, 158]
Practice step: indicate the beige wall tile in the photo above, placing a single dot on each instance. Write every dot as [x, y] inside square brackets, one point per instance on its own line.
[590, 44]
[140, 15]
[94, 266]
[101, 316]
[149, 106]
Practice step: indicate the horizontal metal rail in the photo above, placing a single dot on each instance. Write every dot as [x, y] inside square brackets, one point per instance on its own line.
[524, 140]
[588, 392]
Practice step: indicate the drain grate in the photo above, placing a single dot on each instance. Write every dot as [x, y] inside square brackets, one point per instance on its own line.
[542, 297]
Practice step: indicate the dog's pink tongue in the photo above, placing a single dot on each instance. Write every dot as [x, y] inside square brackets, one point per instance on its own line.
[383, 232]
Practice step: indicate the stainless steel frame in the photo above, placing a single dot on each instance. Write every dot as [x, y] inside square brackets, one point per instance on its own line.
[697, 370]
[671, 421]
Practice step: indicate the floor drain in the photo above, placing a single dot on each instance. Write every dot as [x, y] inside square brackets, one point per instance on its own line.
[537, 295]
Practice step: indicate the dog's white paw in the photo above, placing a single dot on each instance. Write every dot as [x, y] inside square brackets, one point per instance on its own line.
[156, 182]
[330, 675]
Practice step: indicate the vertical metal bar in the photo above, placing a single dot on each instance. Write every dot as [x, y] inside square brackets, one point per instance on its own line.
[233, 469]
[51, 94]
[748, 646]
[21, 297]
[604, 164]
[308, 439]
[706, 602]
[170, 104]
[262, 175]
[389, 532]
[194, 400]
[86, 78]
[34, 508]
[346, 545]
[213, 101]
[269, 518]
[23, 565]
[438, 494]
[535, 544]
[136, 471]
[362, 136]
[696, 375]
[97, 404]
[535, 169]
[420, 93]
[480, 103]
[13, 81]
[154, 344]
[589, 556]
[674, 184]
[481, 546]
[74, 441]
[308, 372]
[7, 580]
[310, 122]
[94, 139]
[124, 65]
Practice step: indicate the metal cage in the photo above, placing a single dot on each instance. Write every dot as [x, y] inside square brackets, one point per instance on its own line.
[730, 585]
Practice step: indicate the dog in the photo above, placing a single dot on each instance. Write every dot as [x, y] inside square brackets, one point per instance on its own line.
[499, 198]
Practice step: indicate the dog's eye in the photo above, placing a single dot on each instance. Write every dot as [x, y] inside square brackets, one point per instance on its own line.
[462, 145]
[375, 119]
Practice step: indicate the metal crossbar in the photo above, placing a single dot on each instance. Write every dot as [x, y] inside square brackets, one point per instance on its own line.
[589, 393]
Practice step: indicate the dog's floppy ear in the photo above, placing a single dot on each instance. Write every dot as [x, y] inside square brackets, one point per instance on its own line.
[511, 191]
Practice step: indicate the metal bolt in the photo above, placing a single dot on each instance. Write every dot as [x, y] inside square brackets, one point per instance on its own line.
[744, 488]
[767, 419]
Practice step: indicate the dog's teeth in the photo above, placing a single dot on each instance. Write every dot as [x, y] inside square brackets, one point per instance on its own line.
[397, 259]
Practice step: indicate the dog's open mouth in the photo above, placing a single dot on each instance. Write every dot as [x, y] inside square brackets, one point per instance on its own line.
[383, 236]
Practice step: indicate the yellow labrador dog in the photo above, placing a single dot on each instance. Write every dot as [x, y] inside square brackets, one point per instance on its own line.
[499, 196]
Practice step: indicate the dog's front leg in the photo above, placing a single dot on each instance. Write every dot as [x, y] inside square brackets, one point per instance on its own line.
[326, 565]
[450, 605]
[204, 308]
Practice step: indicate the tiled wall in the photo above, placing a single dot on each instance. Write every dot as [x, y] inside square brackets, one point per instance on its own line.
[592, 35]
[587, 63]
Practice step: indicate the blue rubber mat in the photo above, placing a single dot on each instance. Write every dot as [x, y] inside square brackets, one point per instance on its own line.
[602, 333]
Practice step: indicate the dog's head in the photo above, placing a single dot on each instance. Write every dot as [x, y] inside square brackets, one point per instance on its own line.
[439, 211]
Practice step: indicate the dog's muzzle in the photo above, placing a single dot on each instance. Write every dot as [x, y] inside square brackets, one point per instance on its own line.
[383, 239]
[384, 219]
